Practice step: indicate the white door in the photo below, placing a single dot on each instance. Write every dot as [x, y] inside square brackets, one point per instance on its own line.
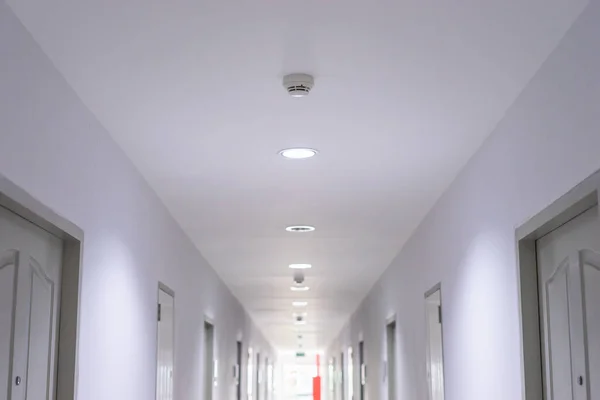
[165, 346]
[435, 346]
[569, 282]
[30, 265]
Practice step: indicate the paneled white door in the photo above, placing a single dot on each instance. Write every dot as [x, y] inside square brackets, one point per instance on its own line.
[569, 282]
[30, 267]
[165, 346]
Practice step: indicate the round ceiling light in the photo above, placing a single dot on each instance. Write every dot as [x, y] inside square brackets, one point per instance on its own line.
[300, 228]
[299, 288]
[300, 266]
[299, 303]
[298, 153]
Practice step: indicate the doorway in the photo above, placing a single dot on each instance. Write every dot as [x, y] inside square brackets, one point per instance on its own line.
[435, 346]
[165, 344]
[363, 369]
[30, 286]
[48, 369]
[342, 377]
[238, 371]
[569, 281]
[331, 379]
[209, 360]
[391, 360]
[265, 379]
[270, 380]
[559, 273]
[350, 374]
[258, 377]
[250, 376]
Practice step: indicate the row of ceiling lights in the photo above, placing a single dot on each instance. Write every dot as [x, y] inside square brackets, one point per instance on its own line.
[299, 85]
[299, 153]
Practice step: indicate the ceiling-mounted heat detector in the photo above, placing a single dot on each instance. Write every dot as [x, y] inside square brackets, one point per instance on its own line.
[298, 85]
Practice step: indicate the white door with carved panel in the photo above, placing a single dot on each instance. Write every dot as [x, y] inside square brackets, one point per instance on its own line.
[30, 266]
[569, 283]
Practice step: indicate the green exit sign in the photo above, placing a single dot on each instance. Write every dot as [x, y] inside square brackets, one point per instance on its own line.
[300, 354]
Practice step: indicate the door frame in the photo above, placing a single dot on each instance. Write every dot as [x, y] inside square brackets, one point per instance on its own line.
[578, 200]
[18, 201]
[436, 288]
[162, 287]
[213, 365]
[386, 365]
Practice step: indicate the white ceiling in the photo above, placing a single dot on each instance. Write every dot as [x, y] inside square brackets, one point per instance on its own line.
[405, 93]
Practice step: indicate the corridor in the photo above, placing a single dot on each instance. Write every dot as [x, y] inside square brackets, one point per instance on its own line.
[299, 200]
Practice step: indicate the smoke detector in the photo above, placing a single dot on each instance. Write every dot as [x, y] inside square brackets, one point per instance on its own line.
[299, 277]
[298, 85]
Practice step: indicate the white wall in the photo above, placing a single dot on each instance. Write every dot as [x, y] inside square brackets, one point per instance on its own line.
[54, 148]
[547, 143]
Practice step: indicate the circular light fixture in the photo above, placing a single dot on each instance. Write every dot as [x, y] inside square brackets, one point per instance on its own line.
[298, 153]
[299, 303]
[300, 266]
[299, 288]
[300, 228]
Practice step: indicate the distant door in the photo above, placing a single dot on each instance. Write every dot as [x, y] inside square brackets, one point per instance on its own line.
[270, 380]
[250, 376]
[391, 360]
[265, 379]
[238, 372]
[30, 270]
[350, 374]
[363, 369]
[331, 378]
[435, 345]
[209, 360]
[342, 377]
[258, 377]
[165, 350]
[569, 290]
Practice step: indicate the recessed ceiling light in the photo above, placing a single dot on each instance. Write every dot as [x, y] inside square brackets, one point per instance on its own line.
[302, 314]
[299, 288]
[300, 303]
[300, 322]
[300, 228]
[298, 153]
[300, 266]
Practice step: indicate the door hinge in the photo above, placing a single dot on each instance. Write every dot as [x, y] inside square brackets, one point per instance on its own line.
[159, 312]
[440, 314]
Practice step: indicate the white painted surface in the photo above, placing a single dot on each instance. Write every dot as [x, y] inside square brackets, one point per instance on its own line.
[569, 270]
[405, 92]
[55, 149]
[546, 144]
[166, 347]
[30, 261]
